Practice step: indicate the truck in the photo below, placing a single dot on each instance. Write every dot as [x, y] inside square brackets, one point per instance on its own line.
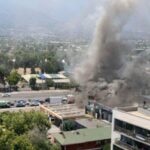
[69, 99]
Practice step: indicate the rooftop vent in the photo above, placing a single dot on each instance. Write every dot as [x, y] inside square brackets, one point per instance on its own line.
[62, 133]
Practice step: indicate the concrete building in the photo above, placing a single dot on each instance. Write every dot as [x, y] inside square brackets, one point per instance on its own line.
[62, 112]
[131, 128]
[99, 111]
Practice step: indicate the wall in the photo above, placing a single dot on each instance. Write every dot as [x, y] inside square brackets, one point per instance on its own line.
[85, 146]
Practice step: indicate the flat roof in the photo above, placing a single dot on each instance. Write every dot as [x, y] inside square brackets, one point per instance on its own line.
[91, 122]
[64, 111]
[83, 135]
[61, 80]
[55, 76]
[139, 114]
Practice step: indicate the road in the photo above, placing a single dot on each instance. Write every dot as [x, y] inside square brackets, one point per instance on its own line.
[26, 95]
[17, 109]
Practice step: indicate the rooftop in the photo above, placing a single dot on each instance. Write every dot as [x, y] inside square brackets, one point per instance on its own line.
[140, 110]
[91, 123]
[83, 135]
[64, 111]
[139, 114]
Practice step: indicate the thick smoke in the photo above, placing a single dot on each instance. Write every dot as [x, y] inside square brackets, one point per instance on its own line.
[105, 73]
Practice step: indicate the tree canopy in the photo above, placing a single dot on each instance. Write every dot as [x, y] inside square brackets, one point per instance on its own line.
[13, 78]
[24, 131]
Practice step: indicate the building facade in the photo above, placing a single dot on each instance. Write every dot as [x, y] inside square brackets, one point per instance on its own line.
[99, 111]
[131, 129]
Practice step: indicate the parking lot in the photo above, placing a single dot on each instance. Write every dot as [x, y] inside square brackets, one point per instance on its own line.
[29, 95]
[28, 99]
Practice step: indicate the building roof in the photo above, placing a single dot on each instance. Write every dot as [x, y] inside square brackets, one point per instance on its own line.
[62, 111]
[83, 135]
[55, 76]
[139, 114]
[91, 123]
[138, 111]
[61, 81]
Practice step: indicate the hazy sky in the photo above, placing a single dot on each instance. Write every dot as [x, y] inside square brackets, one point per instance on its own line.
[57, 9]
[71, 15]
[64, 15]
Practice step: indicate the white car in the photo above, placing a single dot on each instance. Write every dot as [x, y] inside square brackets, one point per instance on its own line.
[6, 95]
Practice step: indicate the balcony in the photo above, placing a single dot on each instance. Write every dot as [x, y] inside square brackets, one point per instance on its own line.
[126, 146]
[132, 133]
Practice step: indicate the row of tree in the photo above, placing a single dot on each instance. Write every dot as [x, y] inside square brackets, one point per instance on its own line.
[25, 131]
[48, 61]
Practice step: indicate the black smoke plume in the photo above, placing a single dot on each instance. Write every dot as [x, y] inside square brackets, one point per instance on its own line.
[105, 73]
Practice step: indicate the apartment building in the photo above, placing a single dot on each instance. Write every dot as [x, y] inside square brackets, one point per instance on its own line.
[131, 128]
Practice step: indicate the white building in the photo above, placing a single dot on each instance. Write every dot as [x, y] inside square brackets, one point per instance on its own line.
[131, 128]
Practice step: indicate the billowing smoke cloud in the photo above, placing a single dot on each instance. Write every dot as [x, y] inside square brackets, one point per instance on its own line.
[105, 71]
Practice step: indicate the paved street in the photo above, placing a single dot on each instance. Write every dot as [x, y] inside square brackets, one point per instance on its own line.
[17, 109]
[25, 95]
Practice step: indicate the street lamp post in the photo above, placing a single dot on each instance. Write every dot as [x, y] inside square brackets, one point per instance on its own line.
[14, 60]
[45, 60]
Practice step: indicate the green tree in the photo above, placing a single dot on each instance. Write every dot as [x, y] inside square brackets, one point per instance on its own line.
[13, 78]
[32, 83]
[49, 82]
[69, 125]
[6, 137]
[24, 131]
[39, 140]
[33, 70]
[55, 147]
[21, 143]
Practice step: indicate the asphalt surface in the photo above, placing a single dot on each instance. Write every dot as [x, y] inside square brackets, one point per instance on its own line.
[27, 95]
[17, 109]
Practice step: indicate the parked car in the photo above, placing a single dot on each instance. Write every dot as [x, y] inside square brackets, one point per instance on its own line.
[35, 103]
[41, 101]
[64, 100]
[11, 103]
[6, 94]
[21, 103]
[4, 104]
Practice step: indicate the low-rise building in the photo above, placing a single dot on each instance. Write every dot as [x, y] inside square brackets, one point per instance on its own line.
[99, 111]
[58, 80]
[131, 128]
[83, 139]
[62, 112]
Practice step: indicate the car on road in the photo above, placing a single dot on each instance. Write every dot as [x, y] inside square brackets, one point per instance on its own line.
[21, 103]
[35, 103]
[6, 94]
